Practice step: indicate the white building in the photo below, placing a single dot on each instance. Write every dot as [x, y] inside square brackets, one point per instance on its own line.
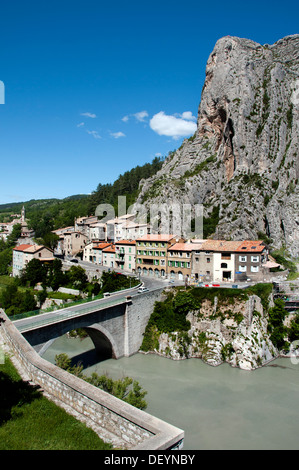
[22, 254]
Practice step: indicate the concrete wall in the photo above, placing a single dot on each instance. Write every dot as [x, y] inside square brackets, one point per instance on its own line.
[116, 421]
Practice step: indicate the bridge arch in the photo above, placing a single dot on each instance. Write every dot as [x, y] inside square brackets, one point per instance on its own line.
[103, 341]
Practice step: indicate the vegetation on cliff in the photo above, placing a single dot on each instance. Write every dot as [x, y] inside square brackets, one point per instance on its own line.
[219, 324]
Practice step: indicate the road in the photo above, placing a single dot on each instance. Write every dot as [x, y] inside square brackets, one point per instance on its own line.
[67, 312]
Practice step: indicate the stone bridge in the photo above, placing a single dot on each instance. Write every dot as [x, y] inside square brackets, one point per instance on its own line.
[115, 324]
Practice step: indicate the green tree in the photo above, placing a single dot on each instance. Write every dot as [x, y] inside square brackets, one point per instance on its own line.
[34, 272]
[77, 277]
[120, 388]
[275, 324]
[58, 279]
[15, 234]
[50, 240]
[5, 261]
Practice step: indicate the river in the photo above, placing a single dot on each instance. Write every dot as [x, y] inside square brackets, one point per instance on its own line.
[219, 408]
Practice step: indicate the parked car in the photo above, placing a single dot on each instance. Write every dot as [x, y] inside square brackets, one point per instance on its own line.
[74, 260]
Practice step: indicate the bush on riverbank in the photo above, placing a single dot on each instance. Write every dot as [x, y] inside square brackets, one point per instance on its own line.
[120, 388]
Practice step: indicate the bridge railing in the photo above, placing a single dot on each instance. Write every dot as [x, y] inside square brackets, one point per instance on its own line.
[67, 314]
[32, 313]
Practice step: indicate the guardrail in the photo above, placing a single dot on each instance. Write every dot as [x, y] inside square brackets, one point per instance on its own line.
[65, 315]
[32, 313]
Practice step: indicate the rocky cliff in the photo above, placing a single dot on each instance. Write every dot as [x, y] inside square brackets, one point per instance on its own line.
[243, 158]
[233, 332]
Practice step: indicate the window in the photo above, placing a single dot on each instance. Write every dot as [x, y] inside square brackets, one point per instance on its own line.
[242, 269]
[254, 259]
[254, 269]
[224, 265]
[208, 260]
[243, 258]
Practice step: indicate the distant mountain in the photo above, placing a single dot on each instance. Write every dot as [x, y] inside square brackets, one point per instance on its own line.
[242, 162]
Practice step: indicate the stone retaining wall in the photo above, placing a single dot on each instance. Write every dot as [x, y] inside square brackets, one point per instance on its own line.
[127, 426]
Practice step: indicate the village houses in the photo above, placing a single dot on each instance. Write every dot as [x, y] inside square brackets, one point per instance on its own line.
[124, 245]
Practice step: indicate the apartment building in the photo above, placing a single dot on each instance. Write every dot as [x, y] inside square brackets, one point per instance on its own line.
[82, 224]
[108, 256]
[97, 231]
[152, 254]
[72, 243]
[125, 255]
[251, 260]
[231, 260]
[179, 261]
[24, 253]
[93, 251]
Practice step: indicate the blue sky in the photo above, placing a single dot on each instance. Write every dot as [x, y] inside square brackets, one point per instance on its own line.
[94, 88]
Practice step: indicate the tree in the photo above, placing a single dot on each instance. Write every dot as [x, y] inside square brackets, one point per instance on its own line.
[50, 240]
[5, 260]
[57, 276]
[34, 272]
[119, 388]
[275, 325]
[77, 277]
[13, 301]
[15, 234]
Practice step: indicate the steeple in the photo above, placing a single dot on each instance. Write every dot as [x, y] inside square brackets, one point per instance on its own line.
[23, 214]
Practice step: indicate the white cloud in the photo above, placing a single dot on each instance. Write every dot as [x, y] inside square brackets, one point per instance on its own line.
[173, 126]
[117, 135]
[81, 124]
[188, 116]
[140, 116]
[91, 115]
[95, 134]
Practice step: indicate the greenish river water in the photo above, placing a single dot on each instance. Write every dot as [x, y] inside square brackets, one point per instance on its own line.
[218, 407]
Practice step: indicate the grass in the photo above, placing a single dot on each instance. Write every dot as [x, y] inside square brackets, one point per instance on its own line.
[28, 421]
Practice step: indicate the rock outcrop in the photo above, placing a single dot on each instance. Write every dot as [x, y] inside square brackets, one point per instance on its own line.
[233, 332]
[243, 157]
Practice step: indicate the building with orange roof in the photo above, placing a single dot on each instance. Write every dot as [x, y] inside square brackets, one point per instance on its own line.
[125, 255]
[232, 260]
[179, 261]
[152, 254]
[108, 256]
[93, 251]
[24, 253]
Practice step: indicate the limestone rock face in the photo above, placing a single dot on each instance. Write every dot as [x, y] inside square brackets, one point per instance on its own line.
[243, 157]
[237, 334]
